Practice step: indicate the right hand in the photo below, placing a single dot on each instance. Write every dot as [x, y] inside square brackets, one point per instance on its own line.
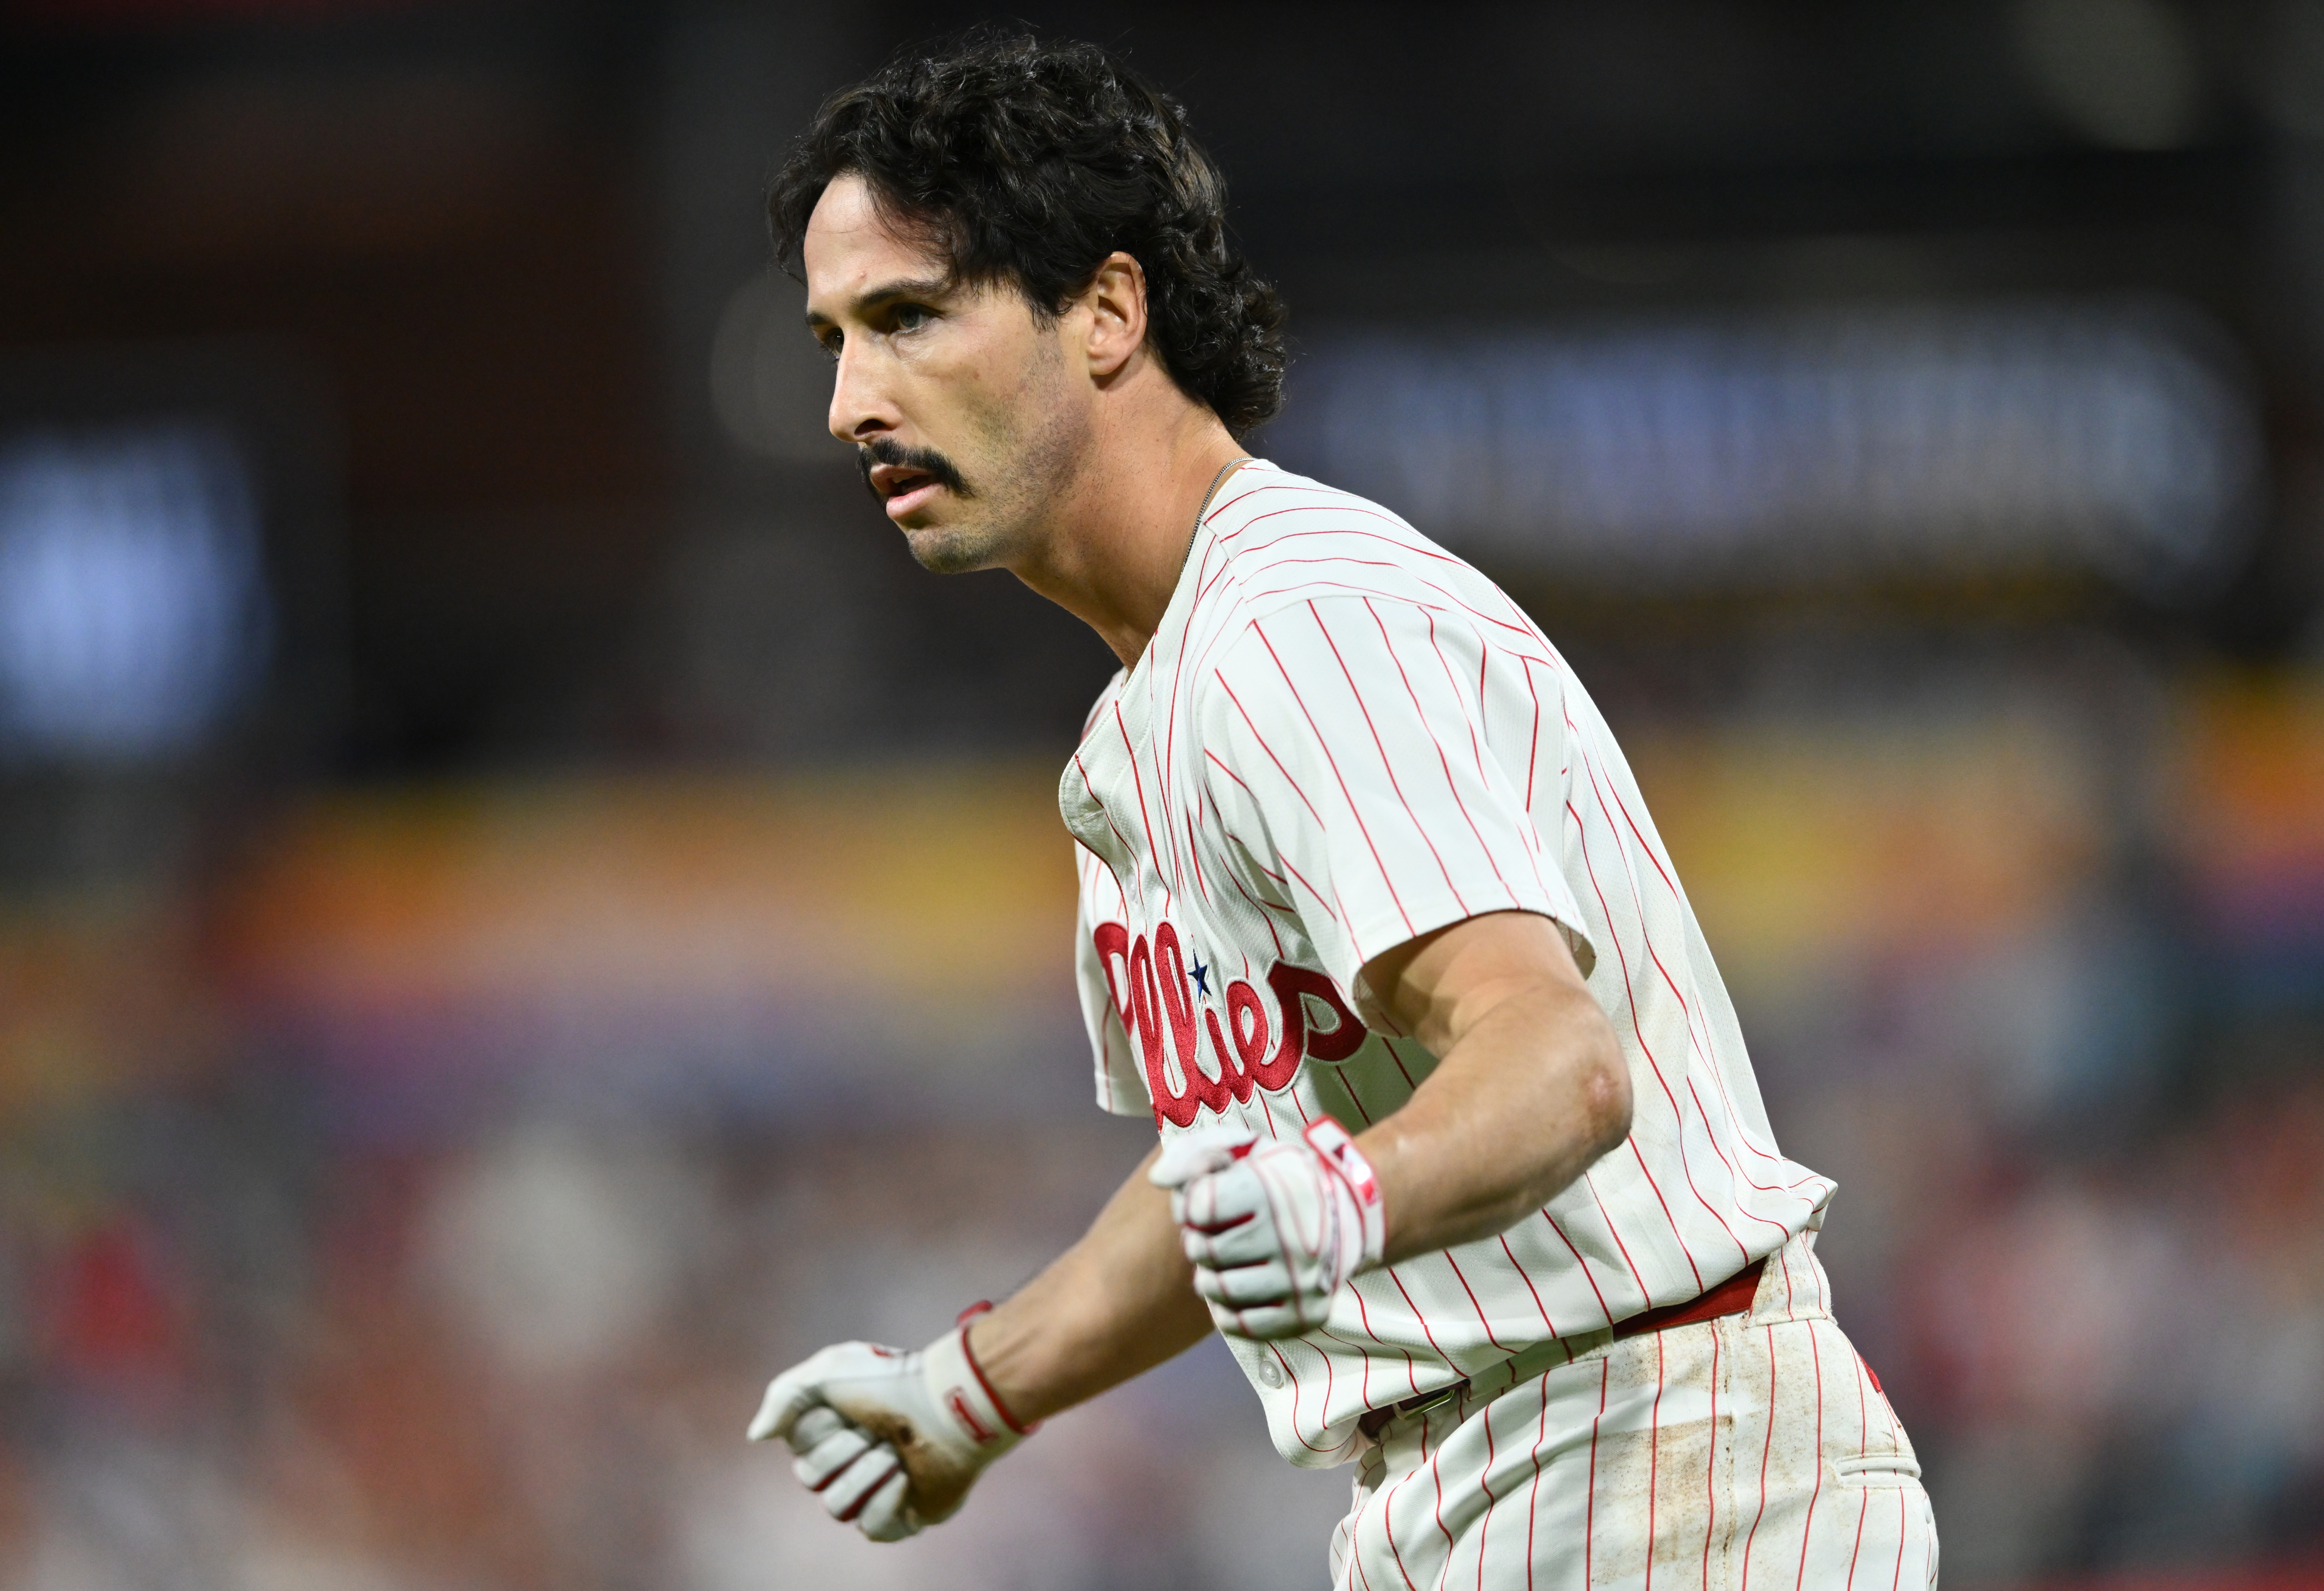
[889, 1441]
[1274, 1229]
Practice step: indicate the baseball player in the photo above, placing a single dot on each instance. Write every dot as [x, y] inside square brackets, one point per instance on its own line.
[1459, 1147]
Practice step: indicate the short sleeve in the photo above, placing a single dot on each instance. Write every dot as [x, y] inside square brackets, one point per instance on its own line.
[1101, 970]
[1348, 741]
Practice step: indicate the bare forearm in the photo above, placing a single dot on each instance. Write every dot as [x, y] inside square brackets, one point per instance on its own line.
[1117, 1303]
[1533, 1092]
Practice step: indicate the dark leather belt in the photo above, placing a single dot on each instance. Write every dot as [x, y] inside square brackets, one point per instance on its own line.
[1730, 1297]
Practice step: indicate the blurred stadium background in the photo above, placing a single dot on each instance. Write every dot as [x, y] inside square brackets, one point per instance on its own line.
[521, 911]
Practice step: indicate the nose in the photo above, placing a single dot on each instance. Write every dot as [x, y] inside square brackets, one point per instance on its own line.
[861, 408]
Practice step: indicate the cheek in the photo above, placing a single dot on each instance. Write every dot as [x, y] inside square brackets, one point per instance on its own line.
[1033, 406]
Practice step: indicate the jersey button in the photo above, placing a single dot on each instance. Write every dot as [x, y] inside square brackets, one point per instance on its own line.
[1271, 1374]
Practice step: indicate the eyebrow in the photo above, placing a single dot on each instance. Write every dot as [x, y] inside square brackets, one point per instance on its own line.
[915, 288]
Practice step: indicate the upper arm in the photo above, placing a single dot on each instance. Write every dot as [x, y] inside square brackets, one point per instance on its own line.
[1437, 986]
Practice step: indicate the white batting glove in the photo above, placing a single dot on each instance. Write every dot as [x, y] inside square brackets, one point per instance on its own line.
[889, 1441]
[1274, 1229]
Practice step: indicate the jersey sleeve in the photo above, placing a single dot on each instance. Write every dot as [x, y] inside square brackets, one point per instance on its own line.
[1102, 972]
[1349, 750]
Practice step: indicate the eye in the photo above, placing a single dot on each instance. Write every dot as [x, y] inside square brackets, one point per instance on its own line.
[829, 342]
[911, 317]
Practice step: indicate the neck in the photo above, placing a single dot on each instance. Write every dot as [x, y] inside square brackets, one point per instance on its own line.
[1121, 529]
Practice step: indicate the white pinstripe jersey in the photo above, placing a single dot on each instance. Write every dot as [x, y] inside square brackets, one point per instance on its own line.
[1340, 738]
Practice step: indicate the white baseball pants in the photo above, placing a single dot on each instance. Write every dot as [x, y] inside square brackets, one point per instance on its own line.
[1749, 1453]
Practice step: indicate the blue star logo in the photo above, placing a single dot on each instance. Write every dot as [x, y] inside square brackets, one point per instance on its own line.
[1202, 980]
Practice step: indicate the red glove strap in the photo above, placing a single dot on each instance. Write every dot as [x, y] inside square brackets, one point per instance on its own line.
[984, 1307]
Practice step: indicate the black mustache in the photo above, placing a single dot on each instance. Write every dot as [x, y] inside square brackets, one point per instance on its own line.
[882, 450]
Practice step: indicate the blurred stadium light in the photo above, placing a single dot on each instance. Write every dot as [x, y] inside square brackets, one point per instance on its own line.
[1844, 444]
[133, 614]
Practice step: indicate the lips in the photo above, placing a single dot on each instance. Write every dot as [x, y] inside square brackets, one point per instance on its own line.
[902, 489]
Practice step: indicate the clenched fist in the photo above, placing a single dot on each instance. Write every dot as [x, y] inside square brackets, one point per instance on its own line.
[1274, 1229]
[889, 1441]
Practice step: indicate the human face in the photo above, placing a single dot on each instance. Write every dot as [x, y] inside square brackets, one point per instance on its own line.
[958, 400]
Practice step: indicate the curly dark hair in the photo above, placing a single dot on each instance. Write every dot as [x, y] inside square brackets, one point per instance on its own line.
[1028, 162]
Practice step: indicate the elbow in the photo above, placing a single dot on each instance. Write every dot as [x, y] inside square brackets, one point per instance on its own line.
[1606, 1096]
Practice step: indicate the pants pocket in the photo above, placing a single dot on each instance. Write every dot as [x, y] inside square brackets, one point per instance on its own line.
[1877, 1471]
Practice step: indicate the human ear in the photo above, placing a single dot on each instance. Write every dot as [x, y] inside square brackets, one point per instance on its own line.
[1116, 301]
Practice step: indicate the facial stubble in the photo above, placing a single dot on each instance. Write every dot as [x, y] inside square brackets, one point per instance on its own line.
[1026, 470]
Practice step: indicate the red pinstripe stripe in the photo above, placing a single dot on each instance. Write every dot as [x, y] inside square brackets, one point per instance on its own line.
[1248, 481]
[1388, 1515]
[1607, 1216]
[1473, 1304]
[1533, 741]
[1348, 1087]
[1263, 917]
[1484, 659]
[1864, 1495]
[1897, 1578]
[1263, 745]
[1533, 1496]
[1769, 1446]
[1387, 765]
[1436, 1506]
[1420, 714]
[1303, 590]
[1333, 763]
[1521, 625]
[1583, 1265]
[1418, 1313]
[1320, 899]
[1273, 877]
[1518, 1266]
[1137, 779]
[1402, 1069]
[1401, 545]
[1107, 813]
[1294, 1377]
[1711, 1465]
[1356, 1289]
[1485, 1481]
[1807, 1530]
[1654, 1459]
[1194, 854]
[1590, 1504]
[1169, 757]
[1226, 566]
[1364, 1359]
[1735, 1173]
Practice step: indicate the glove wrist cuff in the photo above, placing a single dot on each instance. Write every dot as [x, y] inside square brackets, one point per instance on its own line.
[1338, 1151]
[956, 1382]
[968, 1318]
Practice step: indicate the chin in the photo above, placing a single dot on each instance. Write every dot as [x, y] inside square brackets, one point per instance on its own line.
[949, 549]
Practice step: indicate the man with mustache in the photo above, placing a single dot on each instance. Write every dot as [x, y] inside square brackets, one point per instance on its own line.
[1461, 1149]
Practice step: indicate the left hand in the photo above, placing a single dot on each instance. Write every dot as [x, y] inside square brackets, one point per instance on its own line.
[1273, 1229]
[889, 1441]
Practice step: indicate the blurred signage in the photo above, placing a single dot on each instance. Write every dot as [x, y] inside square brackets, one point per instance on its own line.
[1867, 442]
[133, 612]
